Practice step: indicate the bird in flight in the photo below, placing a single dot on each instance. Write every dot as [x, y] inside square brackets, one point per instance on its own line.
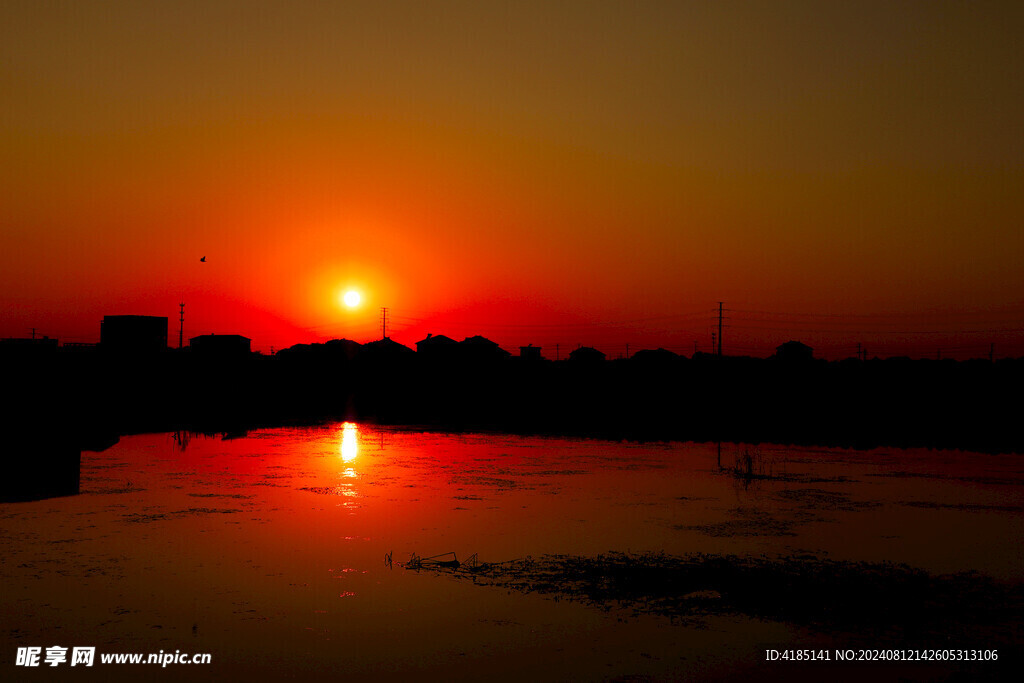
[202, 260]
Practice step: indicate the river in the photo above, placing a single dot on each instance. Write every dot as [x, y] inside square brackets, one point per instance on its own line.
[269, 552]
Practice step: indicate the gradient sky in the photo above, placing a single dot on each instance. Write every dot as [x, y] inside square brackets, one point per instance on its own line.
[549, 172]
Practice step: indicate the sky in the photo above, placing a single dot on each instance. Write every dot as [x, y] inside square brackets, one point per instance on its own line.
[596, 173]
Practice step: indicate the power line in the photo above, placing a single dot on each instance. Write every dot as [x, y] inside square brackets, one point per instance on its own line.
[1013, 310]
[181, 325]
[441, 321]
[719, 328]
[861, 331]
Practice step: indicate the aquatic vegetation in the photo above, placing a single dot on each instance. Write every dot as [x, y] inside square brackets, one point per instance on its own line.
[856, 597]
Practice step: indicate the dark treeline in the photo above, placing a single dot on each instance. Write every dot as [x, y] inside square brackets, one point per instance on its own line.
[87, 399]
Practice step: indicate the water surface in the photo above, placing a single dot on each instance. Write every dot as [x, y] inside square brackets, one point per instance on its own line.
[268, 551]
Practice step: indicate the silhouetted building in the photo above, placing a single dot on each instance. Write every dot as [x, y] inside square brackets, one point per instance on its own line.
[385, 347]
[220, 345]
[654, 357]
[530, 353]
[297, 349]
[794, 351]
[481, 349]
[334, 351]
[29, 345]
[437, 347]
[342, 348]
[133, 333]
[586, 354]
[79, 347]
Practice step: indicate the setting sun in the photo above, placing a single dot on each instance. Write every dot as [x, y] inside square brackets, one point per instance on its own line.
[351, 298]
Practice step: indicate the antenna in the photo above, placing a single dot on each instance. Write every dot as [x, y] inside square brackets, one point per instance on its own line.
[383, 322]
[181, 325]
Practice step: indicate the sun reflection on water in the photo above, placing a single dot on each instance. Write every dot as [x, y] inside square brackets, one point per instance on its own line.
[349, 451]
[349, 441]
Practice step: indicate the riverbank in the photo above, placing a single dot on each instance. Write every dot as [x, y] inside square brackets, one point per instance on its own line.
[88, 401]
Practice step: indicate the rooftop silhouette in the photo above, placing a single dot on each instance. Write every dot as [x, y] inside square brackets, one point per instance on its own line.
[133, 382]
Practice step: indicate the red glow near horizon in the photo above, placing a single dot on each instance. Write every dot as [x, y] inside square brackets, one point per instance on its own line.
[560, 175]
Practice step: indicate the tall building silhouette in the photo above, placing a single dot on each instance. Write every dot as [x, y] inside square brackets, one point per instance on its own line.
[133, 334]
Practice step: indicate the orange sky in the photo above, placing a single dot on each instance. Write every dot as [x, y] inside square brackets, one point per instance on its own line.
[533, 171]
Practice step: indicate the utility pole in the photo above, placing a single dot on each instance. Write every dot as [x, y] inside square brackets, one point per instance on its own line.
[383, 322]
[719, 328]
[858, 351]
[181, 325]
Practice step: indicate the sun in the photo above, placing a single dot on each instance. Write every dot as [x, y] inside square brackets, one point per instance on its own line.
[351, 298]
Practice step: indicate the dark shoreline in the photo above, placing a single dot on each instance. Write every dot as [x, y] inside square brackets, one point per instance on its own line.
[68, 402]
